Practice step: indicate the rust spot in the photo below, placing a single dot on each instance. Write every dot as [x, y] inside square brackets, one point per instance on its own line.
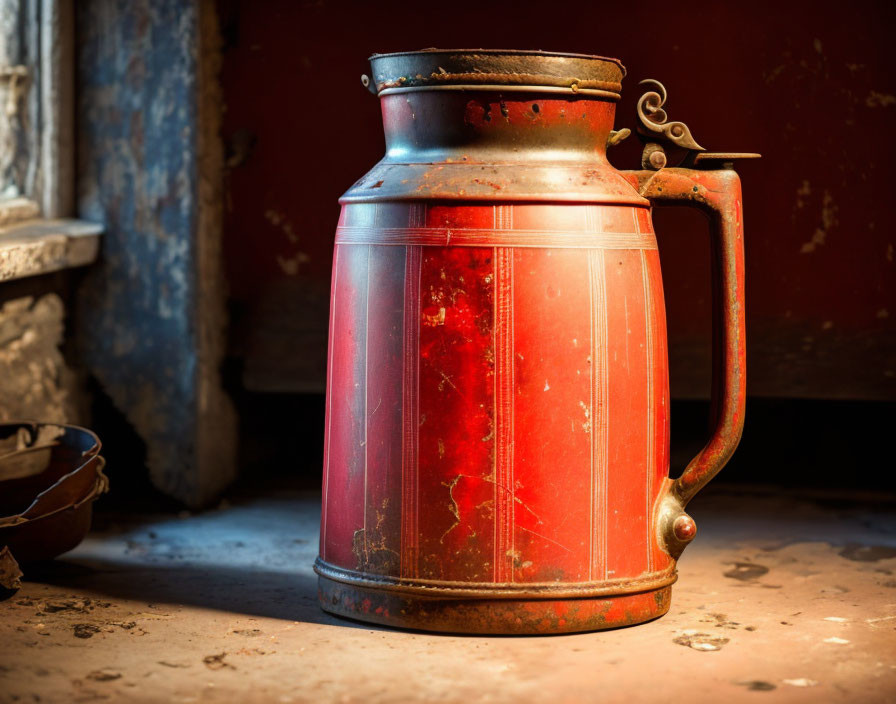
[433, 318]
[358, 548]
[491, 184]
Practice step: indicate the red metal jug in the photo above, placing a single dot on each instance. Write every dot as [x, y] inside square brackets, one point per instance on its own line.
[497, 433]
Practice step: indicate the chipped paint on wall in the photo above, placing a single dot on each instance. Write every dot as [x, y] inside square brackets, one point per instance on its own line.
[144, 306]
[802, 192]
[828, 221]
[880, 100]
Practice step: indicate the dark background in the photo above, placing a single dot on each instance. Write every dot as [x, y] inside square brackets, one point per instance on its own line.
[812, 86]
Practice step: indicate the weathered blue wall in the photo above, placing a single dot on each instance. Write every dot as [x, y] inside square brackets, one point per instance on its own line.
[147, 305]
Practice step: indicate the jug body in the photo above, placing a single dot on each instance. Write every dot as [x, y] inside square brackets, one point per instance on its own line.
[497, 429]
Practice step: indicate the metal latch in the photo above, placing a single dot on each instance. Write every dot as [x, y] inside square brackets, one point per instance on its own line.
[665, 141]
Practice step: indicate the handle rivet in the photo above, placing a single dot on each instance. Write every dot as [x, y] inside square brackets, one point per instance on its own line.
[684, 528]
[657, 159]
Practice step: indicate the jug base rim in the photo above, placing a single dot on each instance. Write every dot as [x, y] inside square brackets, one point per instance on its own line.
[489, 616]
[490, 590]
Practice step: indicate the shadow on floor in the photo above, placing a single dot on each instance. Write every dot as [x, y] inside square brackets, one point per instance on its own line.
[288, 596]
[253, 557]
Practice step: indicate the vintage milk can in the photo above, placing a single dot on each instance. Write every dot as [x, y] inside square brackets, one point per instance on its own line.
[497, 419]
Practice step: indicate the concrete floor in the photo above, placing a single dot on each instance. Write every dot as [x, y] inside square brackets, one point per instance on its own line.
[781, 598]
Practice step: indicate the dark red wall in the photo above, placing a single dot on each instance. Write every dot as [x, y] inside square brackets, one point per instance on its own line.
[811, 86]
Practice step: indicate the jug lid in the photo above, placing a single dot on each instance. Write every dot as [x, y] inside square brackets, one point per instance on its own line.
[506, 69]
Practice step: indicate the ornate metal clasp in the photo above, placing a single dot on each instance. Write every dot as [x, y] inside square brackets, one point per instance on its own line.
[655, 128]
[660, 135]
[654, 120]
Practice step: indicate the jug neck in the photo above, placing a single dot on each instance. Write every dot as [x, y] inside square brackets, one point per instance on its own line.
[495, 126]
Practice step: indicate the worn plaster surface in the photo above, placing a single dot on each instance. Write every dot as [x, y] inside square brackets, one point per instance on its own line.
[781, 598]
[35, 382]
[39, 246]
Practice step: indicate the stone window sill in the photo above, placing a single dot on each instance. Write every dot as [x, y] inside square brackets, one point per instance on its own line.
[39, 246]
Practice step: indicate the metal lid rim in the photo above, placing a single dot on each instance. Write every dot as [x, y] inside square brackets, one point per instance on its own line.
[513, 52]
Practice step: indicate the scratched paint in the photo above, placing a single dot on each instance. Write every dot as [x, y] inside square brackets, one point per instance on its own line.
[538, 444]
[533, 372]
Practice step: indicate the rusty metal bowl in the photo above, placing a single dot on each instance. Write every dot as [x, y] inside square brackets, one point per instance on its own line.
[49, 477]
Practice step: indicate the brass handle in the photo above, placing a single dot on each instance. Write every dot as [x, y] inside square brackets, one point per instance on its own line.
[718, 194]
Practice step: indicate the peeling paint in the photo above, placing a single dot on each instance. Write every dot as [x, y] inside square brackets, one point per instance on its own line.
[149, 166]
[291, 265]
[880, 100]
[804, 191]
[586, 426]
[828, 222]
[279, 220]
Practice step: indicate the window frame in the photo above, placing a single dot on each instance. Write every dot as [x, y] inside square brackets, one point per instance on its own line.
[49, 102]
